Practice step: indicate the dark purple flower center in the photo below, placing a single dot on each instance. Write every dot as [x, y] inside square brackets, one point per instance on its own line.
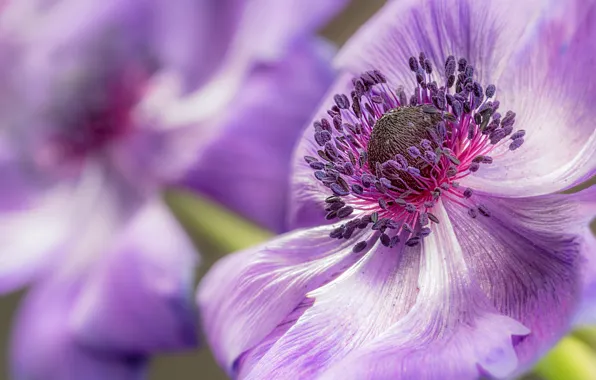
[390, 157]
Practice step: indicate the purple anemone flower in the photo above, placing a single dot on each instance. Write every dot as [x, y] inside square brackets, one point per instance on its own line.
[105, 103]
[433, 243]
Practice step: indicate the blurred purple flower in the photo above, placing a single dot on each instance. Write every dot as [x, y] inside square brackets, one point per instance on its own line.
[105, 103]
[453, 256]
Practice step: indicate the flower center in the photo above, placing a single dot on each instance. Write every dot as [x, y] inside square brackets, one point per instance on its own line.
[387, 158]
[399, 131]
[92, 113]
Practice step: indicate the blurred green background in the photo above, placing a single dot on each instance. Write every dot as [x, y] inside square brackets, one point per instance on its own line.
[572, 359]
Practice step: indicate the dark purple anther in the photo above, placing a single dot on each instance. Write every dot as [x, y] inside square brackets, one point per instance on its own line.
[357, 189]
[422, 58]
[349, 168]
[490, 90]
[385, 240]
[368, 79]
[339, 190]
[471, 131]
[345, 212]
[401, 160]
[441, 130]
[516, 143]
[419, 78]
[379, 77]
[317, 165]
[394, 241]
[423, 219]
[457, 108]
[450, 81]
[342, 101]
[367, 180]
[472, 212]
[320, 175]
[424, 232]
[403, 99]
[412, 242]
[474, 166]
[356, 108]
[337, 233]
[518, 134]
[331, 151]
[337, 123]
[497, 136]
[450, 66]
[469, 72]
[380, 186]
[483, 210]
[461, 64]
[430, 156]
[468, 193]
[487, 160]
[331, 215]
[425, 144]
[413, 170]
[406, 227]
[348, 233]
[325, 125]
[477, 88]
[322, 137]
[414, 152]
[413, 64]
[410, 208]
[385, 182]
[428, 66]
[413, 100]
[433, 218]
[359, 247]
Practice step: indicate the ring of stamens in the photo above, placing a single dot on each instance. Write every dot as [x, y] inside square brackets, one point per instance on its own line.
[392, 157]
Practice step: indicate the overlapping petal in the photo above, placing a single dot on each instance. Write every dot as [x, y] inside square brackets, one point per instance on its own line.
[246, 295]
[452, 332]
[43, 346]
[103, 319]
[545, 84]
[257, 137]
[531, 260]
[138, 297]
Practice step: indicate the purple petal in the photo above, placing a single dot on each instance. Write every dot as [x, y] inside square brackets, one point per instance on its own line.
[34, 240]
[483, 32]
[530, 258]
[545, 83]
[43, 346]
[247, 167]
[451, 332]
[138, 297]
[246, 295]
[587, 313]
[351, 310]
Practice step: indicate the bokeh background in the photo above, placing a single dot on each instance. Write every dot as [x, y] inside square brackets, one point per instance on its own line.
[199, 364]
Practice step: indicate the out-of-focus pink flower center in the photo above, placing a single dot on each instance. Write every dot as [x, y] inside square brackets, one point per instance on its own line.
[94, 117]
[391, 156]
